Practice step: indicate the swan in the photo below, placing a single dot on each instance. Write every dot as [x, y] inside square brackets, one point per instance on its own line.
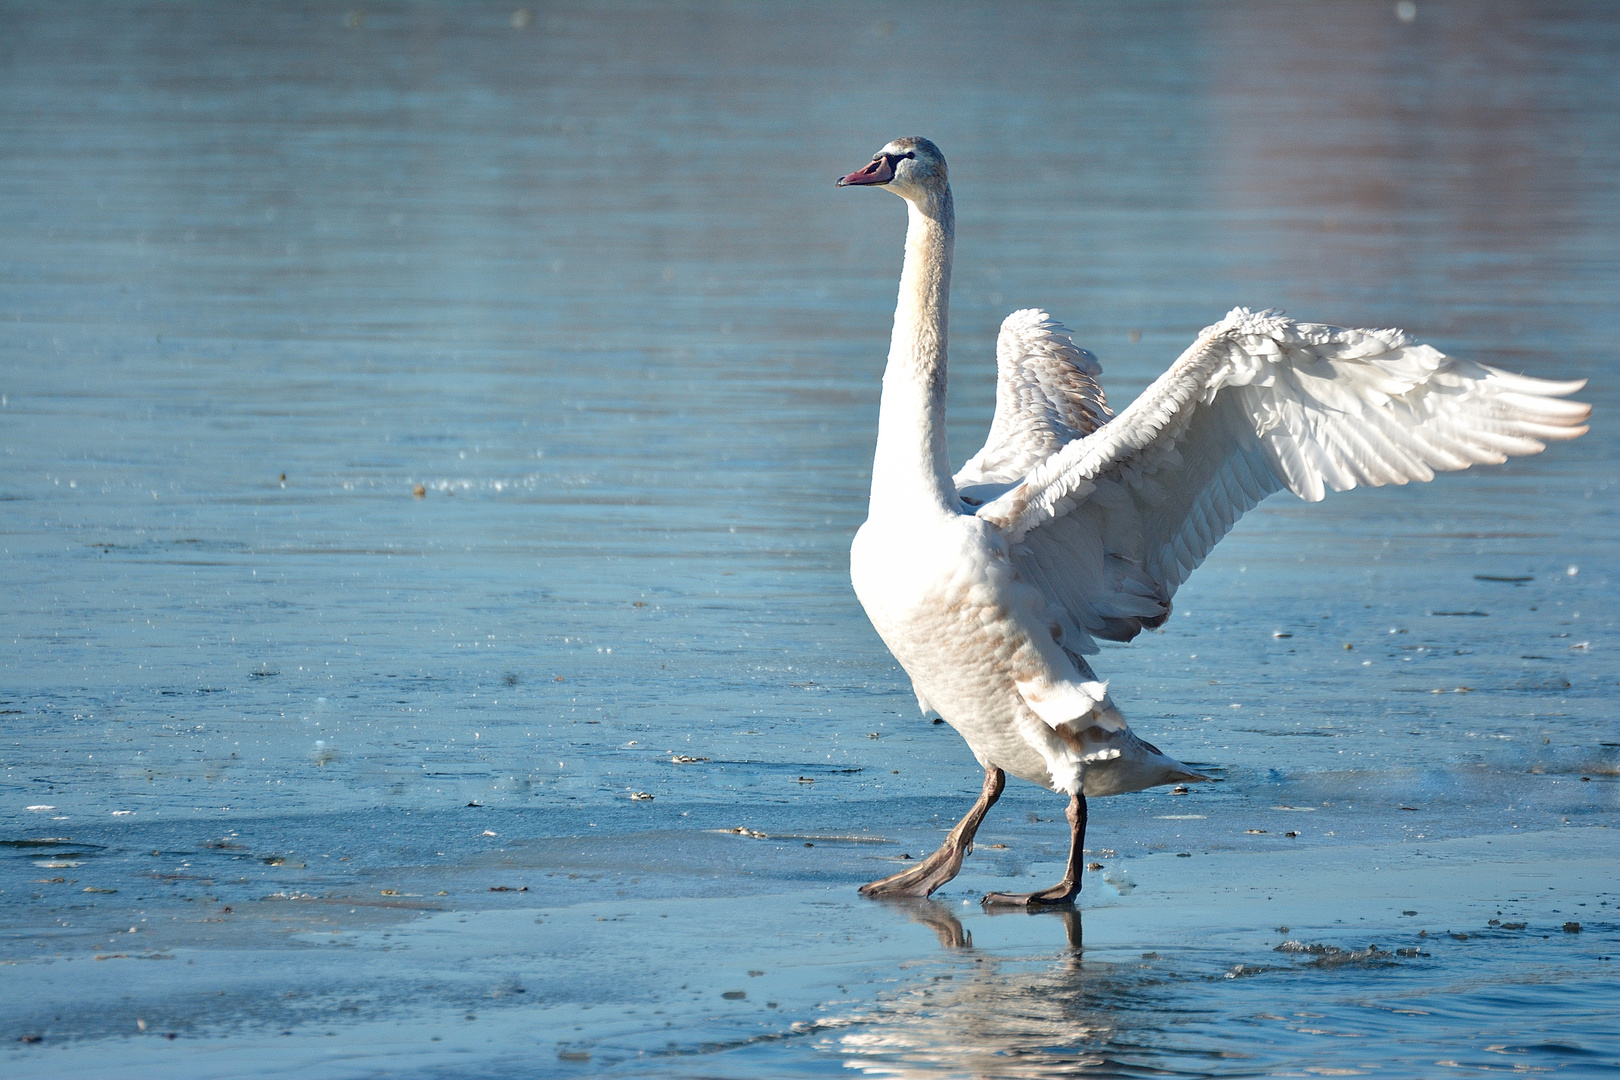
[991, 586]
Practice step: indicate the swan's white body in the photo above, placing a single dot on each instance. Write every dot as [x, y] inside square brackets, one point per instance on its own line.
[1072, 524]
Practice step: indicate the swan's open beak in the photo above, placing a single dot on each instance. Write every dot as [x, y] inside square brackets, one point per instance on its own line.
[880, 171]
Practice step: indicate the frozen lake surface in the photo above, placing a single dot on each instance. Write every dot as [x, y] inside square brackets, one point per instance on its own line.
[425, 427]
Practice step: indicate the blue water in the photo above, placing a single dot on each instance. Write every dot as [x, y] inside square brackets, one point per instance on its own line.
[579, 274]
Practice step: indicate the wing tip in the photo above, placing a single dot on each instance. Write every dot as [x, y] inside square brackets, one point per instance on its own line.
[1023, 318]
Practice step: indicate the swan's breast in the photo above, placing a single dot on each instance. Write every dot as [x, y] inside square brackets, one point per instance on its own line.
[918, 572]
[946, 603]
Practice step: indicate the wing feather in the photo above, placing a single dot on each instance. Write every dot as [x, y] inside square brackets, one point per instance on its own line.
[1047, 396]
[1110, 523]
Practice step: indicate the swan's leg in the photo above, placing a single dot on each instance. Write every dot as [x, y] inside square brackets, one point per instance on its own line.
[1066, 890]
[943, 864]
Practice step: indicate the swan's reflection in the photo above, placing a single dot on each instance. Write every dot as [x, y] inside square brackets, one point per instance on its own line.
[1068, 916]
[998, 1017]
[936, 916]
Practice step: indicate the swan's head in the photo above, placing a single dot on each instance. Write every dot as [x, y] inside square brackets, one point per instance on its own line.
[912, 168]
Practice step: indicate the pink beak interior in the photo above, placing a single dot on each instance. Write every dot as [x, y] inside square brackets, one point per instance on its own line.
[879, 172]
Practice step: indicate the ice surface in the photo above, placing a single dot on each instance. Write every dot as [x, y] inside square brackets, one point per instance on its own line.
[320, 767]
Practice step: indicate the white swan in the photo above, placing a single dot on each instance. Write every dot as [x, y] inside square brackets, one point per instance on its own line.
[1073, 524]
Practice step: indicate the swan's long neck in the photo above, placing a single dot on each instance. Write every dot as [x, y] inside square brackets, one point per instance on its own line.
[912, 471]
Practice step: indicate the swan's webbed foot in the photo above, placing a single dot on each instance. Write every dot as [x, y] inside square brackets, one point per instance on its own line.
[923, 878]
[1060, 895]
[1063, 893]
[943, 864]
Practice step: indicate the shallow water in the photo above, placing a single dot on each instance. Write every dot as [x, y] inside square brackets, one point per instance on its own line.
[583, 278]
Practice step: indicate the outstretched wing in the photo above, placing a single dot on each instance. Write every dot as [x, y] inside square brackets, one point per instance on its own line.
[1113, 523]
[1046, 397]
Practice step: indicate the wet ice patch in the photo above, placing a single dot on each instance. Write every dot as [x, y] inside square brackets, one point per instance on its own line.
[1332, 956]
[1120, 879]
